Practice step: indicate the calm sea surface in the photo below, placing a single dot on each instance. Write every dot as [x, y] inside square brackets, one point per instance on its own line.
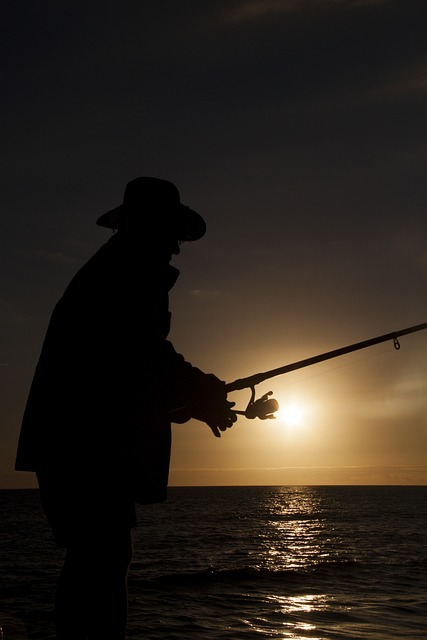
[244, 562]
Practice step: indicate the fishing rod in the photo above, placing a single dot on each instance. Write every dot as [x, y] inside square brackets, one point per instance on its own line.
[265, 407]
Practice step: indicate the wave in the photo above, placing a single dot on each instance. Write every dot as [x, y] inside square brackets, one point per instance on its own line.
[252, 575]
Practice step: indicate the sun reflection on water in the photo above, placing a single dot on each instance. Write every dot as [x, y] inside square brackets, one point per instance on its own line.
[292, 615]
[297, 541]
[296, 604]
[299, 531]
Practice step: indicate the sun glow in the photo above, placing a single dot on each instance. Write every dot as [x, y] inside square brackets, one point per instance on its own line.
[291, 414]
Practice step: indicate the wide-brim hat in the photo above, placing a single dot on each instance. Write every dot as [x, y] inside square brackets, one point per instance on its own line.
[154, 205]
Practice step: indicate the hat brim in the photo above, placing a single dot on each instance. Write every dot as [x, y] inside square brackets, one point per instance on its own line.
[188, 225]
[110, 219]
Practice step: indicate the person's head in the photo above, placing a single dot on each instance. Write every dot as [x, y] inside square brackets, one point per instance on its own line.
[152, 208]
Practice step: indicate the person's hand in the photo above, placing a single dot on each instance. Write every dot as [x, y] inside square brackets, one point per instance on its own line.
[211, 405]
[222, 418]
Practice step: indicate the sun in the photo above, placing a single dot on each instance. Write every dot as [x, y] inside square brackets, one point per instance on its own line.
[291, 414]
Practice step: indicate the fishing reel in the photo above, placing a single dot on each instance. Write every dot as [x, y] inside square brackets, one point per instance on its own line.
[263, 408]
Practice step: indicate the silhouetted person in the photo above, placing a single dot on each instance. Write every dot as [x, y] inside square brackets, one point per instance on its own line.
[97, 425]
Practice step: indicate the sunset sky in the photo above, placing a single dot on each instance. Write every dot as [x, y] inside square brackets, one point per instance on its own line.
[298, 129]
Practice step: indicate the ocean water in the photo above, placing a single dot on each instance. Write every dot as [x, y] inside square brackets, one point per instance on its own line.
[222, 563]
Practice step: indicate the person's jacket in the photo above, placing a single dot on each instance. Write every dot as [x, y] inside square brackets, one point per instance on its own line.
[108, 378]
